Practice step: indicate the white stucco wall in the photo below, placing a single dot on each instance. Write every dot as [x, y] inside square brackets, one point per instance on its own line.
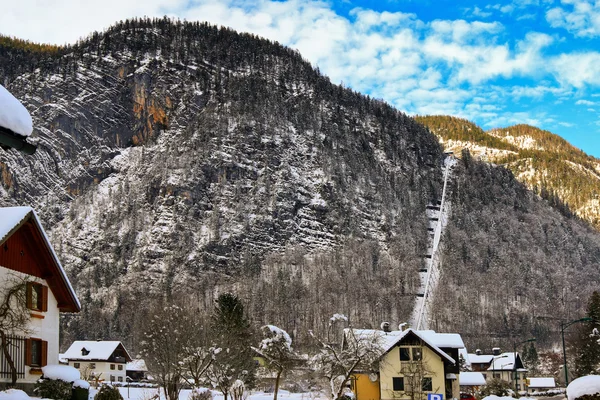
[46, 329]
[102, 370]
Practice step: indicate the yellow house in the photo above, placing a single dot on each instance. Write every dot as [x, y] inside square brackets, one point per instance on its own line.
[415, 365]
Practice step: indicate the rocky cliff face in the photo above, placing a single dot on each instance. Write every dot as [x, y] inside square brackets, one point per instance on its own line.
[177, 160]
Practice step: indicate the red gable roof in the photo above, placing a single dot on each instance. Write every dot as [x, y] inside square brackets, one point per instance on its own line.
[24, 247]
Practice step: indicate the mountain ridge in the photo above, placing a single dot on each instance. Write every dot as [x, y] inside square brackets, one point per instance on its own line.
[178, 160]
[545, 162]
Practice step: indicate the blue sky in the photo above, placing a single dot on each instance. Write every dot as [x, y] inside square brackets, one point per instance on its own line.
[497, 62]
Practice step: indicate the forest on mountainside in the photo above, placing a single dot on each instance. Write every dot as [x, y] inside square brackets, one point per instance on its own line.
[551, 167]
[180, 160]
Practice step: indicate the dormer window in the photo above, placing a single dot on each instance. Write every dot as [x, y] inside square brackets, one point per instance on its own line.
[85, 352]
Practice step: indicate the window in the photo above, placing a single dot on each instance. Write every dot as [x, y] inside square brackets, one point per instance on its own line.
[36, 352]
[112, 366]
[112, 378]
[76, 365]
[404, 354]
[398, 384]
[497, 376]
[120, 379]
[120, 368]
[416, 353]
[427, 385]
[92, 365]
[37, 296]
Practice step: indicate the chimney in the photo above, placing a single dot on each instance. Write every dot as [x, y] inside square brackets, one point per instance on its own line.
[403, 326]
[478, 352]
[385, 326]
[496, 351]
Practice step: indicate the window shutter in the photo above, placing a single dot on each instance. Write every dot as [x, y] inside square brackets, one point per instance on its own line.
[44, 298]
[44, 353]
[27, 350]
[28, 295]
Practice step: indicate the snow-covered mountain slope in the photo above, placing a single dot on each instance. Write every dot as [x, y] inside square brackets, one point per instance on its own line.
[177, 160]
[546, 163]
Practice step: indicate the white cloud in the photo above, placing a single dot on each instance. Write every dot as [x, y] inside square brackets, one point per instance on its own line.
[580, 17]
[577, 69]
[585, 103]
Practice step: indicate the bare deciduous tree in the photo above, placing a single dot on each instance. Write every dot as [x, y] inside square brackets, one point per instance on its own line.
[337, 363]
[14, 319]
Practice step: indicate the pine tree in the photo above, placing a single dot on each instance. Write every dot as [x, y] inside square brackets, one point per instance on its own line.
[587, 358]
[233, 337]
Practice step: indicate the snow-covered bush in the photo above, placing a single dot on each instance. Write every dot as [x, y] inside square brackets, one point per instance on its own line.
[495, 387]
[238, 390]
[108, 392]
[584, 388]
[200, 394]
[55, 389]
[13, 394]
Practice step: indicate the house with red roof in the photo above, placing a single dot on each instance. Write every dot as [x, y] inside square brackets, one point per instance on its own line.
[28, 260]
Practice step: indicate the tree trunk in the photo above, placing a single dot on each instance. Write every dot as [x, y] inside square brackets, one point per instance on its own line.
[277, 384]
[9, 360]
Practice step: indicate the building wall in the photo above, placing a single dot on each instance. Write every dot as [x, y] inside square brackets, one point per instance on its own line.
[45, 326]
[364, 388]
[508, 376]
[100, 370]
[391, 367]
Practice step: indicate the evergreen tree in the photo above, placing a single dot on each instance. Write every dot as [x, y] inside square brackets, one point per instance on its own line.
[587, 356]
[233, 337]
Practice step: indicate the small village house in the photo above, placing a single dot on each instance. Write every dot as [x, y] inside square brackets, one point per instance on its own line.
[414, 365]
[136, 370]
[27, 258]
[99, 360]
[540, 384]
[506, 366]
[471, 382]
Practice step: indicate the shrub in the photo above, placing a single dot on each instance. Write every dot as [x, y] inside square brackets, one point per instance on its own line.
[108, 392]
[53, 389]
[497, 387]
[200, 394]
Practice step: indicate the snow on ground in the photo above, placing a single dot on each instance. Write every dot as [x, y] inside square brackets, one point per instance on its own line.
[151, 393]
[492, 397]
[13, 114]
[585, 385]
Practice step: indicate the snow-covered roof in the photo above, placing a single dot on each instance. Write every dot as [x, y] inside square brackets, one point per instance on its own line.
[11, 220]
[480, 358]
[387, 340]
[541, 383]
[136, 365]
[585, 385]
[100, 350]
[471, 379]
[465, 355]
[446, 340]
[13, 114]
[504, 361]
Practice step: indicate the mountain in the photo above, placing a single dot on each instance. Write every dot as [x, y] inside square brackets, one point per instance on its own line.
[177, 160]
[564, 175]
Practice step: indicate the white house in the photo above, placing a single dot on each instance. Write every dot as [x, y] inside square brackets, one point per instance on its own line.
[99, 359]
[28, 260]
[506, 366]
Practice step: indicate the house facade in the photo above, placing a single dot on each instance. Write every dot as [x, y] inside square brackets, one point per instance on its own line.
[414, 364]
[30, 269]
[506, 366]
[99, 360]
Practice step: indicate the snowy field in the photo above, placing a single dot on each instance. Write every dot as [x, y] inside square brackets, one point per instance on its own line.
[134, 393]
